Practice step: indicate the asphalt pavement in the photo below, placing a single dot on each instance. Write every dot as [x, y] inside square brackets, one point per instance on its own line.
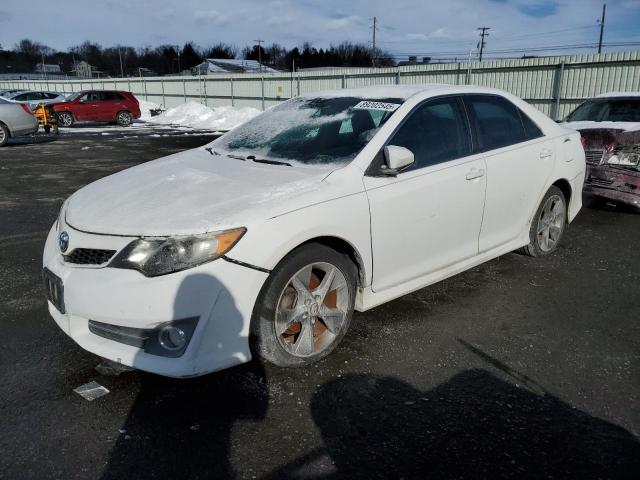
[519, 368]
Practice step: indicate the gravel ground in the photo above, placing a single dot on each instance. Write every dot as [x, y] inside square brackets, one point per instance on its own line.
[520, 368]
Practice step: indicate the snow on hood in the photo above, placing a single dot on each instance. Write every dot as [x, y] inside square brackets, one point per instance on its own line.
[190, 192]
[589, 125]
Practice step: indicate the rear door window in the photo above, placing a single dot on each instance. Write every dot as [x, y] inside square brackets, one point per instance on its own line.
[496, 120]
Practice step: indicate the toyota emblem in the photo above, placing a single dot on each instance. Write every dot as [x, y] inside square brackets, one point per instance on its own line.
[63, 241]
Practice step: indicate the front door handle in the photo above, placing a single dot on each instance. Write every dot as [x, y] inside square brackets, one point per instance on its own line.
[546, 153]
[475, 173]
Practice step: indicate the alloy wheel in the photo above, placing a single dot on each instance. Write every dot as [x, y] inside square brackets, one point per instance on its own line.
[312, 309]
[551, 223]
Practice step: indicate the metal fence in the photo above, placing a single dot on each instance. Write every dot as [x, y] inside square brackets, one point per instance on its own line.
[555, 85]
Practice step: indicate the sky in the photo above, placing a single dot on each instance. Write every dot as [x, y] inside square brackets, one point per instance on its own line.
[437, 28]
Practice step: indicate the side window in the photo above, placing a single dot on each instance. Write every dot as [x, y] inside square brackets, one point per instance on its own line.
[21, 98]
[436, 132]
[85, 97]
[109, 96]
[531, 130]
[497, 122]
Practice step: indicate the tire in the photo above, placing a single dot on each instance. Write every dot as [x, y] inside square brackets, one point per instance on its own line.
[289, 333]
[4, 135]
[548, 225]
[124, 118]
[65, 119]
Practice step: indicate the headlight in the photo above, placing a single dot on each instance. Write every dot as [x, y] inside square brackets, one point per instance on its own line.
[159, 256]
[625, 157]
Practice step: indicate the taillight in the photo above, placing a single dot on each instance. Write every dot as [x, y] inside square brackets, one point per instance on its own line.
[26, 108]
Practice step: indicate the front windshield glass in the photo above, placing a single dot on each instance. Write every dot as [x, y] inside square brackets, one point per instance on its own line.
[607, 110]
[73, 96]
[310, 130]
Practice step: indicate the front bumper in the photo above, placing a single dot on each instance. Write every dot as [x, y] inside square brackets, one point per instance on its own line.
[616, 184]
[220, 294]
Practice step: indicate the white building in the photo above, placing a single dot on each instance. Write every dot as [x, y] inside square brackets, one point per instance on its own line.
[223, 65]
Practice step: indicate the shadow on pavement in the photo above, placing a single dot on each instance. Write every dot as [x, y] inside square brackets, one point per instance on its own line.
[473, 426]
[181, 428]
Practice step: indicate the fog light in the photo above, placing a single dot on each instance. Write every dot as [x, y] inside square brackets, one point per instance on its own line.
[172, 338]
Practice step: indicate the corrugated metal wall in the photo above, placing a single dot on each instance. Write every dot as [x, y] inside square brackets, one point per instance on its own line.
[555, 85]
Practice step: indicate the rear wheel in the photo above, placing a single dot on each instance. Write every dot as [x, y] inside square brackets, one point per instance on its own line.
[65, 119]
[124, 118]
[305, 307]
[4, 135]
[548, 224]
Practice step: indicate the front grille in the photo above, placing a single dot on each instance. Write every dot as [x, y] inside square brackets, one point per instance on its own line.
[600, 182]
[593, 157]
[89, 256]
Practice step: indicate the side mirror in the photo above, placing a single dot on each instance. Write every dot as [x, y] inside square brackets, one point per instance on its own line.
[396, 158]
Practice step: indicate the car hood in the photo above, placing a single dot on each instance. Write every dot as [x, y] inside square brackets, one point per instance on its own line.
[621, 126]
[192, 192]
[601, 135]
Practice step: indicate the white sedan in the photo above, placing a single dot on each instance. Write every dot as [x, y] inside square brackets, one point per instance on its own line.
[266, 240]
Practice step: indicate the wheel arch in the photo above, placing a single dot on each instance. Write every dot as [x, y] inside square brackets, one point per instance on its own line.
[342, 246]
[7, 127]
[564, 185]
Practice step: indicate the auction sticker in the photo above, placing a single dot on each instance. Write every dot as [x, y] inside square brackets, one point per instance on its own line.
[368, 105]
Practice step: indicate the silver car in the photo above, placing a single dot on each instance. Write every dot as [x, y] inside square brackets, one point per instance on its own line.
[33, 99]
[15, 119]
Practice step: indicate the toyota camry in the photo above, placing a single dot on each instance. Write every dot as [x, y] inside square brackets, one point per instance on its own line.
[265, 241]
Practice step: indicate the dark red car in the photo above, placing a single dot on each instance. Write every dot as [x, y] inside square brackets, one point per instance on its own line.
[98, 106]
[610, 129]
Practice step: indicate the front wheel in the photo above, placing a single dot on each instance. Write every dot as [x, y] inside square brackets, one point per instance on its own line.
[4, 135]
[305, 307]
[548, 224]
[65, 119]
[124, 119]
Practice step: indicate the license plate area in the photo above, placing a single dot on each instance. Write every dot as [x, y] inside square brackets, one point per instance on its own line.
[54, 289]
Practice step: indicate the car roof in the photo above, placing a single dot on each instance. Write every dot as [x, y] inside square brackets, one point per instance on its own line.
[405, 92]
[377, 91]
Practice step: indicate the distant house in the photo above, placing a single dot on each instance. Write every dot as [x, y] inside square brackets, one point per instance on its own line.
[82, 69]
[146, 72]
[48, 68]
[223, 65]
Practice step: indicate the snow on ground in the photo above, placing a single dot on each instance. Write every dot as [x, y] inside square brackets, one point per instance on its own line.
[145, 109]
[196, 115]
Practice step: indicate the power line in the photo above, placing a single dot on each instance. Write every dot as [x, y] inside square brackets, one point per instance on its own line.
[482, 43]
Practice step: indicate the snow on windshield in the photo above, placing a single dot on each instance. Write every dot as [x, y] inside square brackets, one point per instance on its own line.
[311, 130]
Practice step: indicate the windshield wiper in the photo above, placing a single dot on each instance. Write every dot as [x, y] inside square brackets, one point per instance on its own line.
[211, 151]
[237, 157]
[268, 162]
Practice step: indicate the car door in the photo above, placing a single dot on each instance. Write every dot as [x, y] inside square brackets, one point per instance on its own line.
[84, 107]
[519, 160]
[429, 215]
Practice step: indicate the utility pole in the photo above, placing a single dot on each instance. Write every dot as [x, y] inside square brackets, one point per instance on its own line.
[121, 69]
[373, 42]
[482, 43]
[259, 52]
[44, 74]
[604, 10]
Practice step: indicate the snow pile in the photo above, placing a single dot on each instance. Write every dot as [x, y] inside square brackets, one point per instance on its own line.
[145, 109]
[196, 115]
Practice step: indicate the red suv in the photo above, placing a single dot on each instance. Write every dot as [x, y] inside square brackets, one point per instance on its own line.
[98, 106]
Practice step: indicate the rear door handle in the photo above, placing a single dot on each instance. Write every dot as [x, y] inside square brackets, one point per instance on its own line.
[475, 173]
[546, 153]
